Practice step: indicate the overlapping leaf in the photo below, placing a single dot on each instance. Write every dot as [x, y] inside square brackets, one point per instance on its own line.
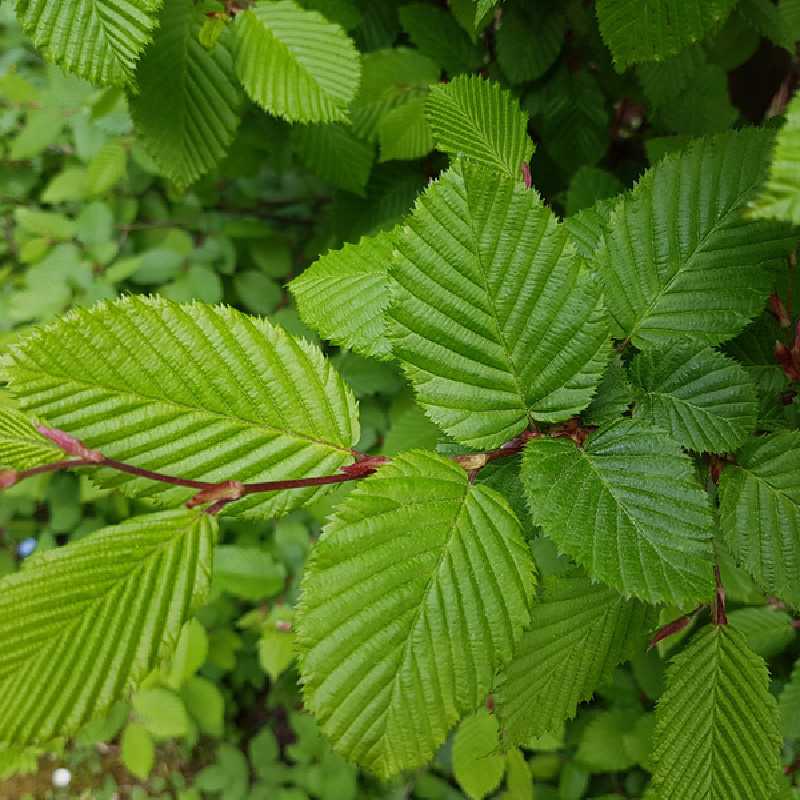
[760, 512]
[627, 507]
[789, 705]
[679, 259]
[335, 154]
[85, 623]
[495, 317]
[480, 120]
[99, 40]
[404, 132]
[195, 391]
[717, 723]
[703, 399]
[415, 594]
[21, 445]
[580, 631]
[187, 108]
[296, 64]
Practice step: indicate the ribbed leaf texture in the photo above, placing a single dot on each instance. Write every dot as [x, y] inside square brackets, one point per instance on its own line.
[717, 723]
[520, 25]
[703, 399]
[190, 390]
[296, 64]
[760, 512]
[478, 762]
[100, 40]
[651, 30]
[482, 8]
[789, 705]
[113, 606]
[345, 293]
[417, 591]
[404, 132]
[780, 196]
[21, 445]
[187, 108]
[679, 259]
[480, 120]
[580, 631]
[627, 507]
[768, 631]
[495, 317]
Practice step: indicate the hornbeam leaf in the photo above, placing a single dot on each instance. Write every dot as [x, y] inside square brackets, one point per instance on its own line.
[579, 632]
[296, 64]
[627, 507]
[789, 705]
[478, 119]
[760, 512]
[417, 591]
[99, 40]
[85, 623]
[678, 258]
[21, 445]
[717, 723]
[187, 108]
[189, 390]
[495, 317]
[703, 399]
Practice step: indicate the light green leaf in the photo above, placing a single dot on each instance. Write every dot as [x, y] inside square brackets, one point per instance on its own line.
[197, 391]
[703, 399]
[482, 8]
[42, 128]
[678, 258]
[206, 705]
[760, 512]
[519, 781]
[579, 632]
[247, 572]
[345, 293]
[779, 197]
[478, 762]
[652, 30]
[495, 318]
[335, 154]
[717, 723]
[628, 507]
[602, 746]
[99, 40]
[107, 168]
[789, 705]
[138, 750]
[276, 645]
[21, 445]
[69, 184]
[114, 604]
[296, 64]
[162, 712]
[477, 118]
[186, 111]
[408, 608]
[190, 653]
[767, 630]
[404, 132]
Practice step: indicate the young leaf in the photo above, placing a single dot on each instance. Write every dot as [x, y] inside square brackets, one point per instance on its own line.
[114, 605]
[717, 723]
[651, 30]
[478, 763]
[21, 445]
[704, 400]
[195, 391]
[345, 293]
[186, 111]
[494, 316]
[579, 632]
[679, 259]
[417, 591]
[759, 499]
[99, 40]
[296, 64]
[627, 507]
[482, 121]
[138, 751]
[404, 132]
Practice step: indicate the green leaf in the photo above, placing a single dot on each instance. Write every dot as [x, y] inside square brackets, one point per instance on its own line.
[579, 632]
[478, 763]
[519, 781]
[590, 185]
[197, 391]
[21, 445]
[759, 499]
[482, 8]
[205, 703]
[190, 653]
[679, 259]
[789, 705]
[652, 30]
[138, 750]
[602, 746]
[704, 106]
[162, 712]
[529, 41]
[408, 608]
[767, 631]
[404, 132]
[614, 395]
[345, 293]
[335, 154]
[107, 168]
[494, 316]
[296, 64]
[703, 399]
[42, 128]
[663, 81]
[114, 604]
[247, 572]
[187, 109]
[477, 118]
[276, 645]
[628, 507]
[99, 40]
[717, 723]
[779, 197]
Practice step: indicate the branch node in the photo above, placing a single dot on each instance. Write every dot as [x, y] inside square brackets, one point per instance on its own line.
[224, 492]
[70, 445]
[8, 477]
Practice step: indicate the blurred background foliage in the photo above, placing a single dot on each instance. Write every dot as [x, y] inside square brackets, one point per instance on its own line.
[85, 216]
